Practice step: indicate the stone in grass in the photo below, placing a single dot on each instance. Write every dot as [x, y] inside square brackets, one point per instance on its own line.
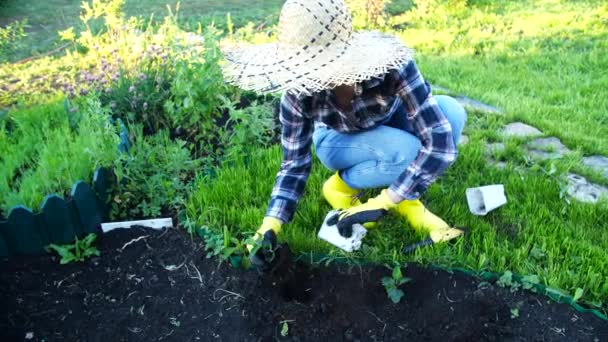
[547, 148]
[476, 105]
[580, 189]
[598, 163]
[520, 129]
[463, 140]
[492, 148]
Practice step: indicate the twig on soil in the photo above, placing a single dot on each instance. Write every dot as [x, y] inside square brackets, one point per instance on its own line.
[379, 320]
[132, 242]
[448, 298]
[166, 335]
[172, 268]
[66, 278]
[229, 293]
[135, 330]
[558, 330]
[31, 58]
[200, 279]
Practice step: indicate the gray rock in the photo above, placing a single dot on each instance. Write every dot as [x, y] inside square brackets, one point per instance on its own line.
[467, 101]
[598, 163]
[581, 190]
[497, 164]
[463, 140]
[547, 148]
[520, 129]
[495, 147]
[476, 105]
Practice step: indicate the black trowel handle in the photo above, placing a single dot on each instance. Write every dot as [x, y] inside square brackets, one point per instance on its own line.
[415, 246]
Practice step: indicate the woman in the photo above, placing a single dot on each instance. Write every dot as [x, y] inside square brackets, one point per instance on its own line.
[360, 99]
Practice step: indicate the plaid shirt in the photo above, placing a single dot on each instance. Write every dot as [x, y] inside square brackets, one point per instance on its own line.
[374, 103]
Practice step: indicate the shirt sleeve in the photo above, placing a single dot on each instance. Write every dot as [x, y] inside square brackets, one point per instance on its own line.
[296, 138]
[432, 128]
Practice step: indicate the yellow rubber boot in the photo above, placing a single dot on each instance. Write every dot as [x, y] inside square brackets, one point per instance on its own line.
[419, 217]
[338, 194]
[341, 196]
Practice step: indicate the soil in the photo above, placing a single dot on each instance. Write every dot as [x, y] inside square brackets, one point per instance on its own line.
[157, 285]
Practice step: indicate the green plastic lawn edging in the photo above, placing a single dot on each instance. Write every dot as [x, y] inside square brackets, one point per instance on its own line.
[554, 294]
[59, 221]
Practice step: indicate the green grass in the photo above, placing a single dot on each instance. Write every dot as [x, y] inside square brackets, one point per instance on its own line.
[46, 148]
[538, 232]
[42, 31]
[545, 64]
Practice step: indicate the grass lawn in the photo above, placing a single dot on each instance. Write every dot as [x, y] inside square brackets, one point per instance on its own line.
[46, 18]
[544, 63]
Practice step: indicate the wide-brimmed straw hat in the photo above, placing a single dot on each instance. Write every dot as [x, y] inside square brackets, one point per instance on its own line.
[316, 50]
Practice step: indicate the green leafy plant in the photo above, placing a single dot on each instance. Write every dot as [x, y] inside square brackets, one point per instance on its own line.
[154, 177]
[391, 284]
[249, 128]
[80, 250]
[198, 91]
[226, 247]
[514, 313]
[9, 35]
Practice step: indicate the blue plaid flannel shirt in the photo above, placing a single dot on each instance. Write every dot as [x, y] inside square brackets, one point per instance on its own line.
[375, 101]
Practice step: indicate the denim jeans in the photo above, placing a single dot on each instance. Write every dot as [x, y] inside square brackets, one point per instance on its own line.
[376, 157]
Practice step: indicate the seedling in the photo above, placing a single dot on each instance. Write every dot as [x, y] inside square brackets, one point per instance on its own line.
[78, 251]
[391, 284]
[514, 313]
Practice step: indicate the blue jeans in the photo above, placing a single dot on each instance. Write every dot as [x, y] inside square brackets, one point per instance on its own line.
[376, 157]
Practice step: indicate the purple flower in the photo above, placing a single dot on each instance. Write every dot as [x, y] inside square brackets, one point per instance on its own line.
[83, 91]
[108, 90]
[142, 76]
[131, 89]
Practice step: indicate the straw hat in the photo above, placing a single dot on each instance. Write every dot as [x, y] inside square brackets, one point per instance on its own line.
[316, 50]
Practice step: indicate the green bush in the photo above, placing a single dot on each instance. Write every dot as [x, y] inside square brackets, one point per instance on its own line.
[45, 152]
[154, 177]
[248, 129]
[198, 90]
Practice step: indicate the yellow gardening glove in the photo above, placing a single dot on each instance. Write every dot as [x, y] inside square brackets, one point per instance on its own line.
[267, 237]
[370, 211]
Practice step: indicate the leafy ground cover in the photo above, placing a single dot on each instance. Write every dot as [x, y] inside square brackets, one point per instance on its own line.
[150, 285]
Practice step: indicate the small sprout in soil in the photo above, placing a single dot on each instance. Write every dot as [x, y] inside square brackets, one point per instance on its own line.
[514, 313]
[227, 247]
[284, 329]
[78, 251]
[506, 280]
[391, 284]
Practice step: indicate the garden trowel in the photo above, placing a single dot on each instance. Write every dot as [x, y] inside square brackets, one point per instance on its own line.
[439, 235]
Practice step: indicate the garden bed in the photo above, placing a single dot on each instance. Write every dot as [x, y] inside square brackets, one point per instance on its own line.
[150, 285]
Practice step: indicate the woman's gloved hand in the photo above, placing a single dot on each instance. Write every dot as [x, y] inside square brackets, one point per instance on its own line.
[262, 254]
[370, 211]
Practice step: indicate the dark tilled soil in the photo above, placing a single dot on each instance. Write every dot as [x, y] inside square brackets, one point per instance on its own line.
[153, 286]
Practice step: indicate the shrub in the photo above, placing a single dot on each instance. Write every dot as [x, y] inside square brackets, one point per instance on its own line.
[154, 178]
[247, 129]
